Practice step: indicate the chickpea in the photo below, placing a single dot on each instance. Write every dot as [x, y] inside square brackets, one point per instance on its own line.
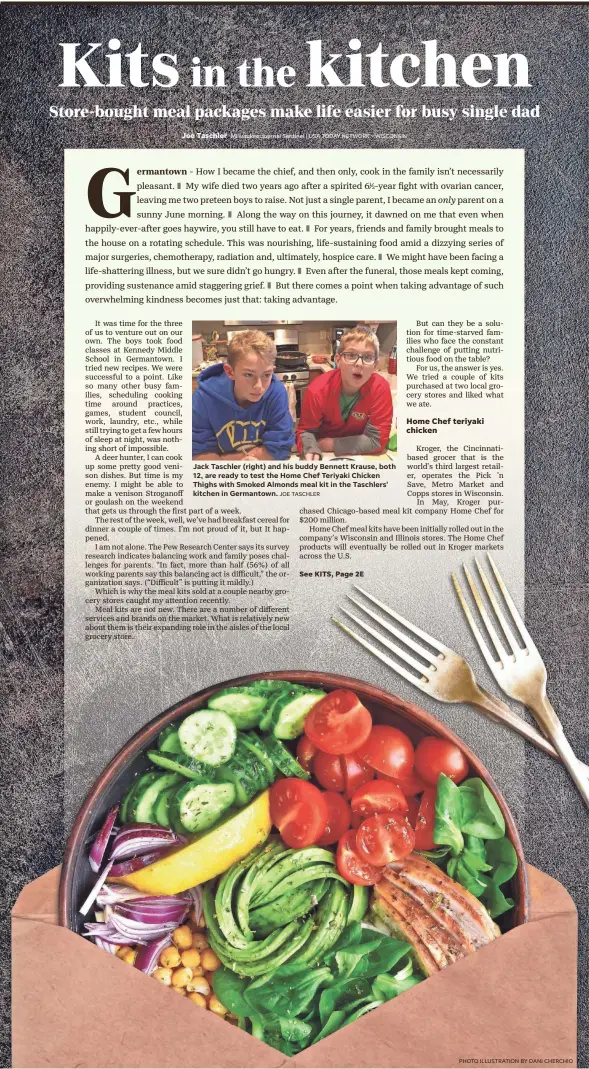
[191, 958]
[217, 1007]
[128, 956]
[200, 941]
[178, 990]
[209, 960]
[182, 937]
[163, 975]
[199, 1000]
[199, 986]
[181, 976]
[170, 958]
[121, 951]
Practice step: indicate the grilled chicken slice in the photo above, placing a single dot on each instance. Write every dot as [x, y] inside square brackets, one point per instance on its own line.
[426, 877]
[443, 922]
[422, 923]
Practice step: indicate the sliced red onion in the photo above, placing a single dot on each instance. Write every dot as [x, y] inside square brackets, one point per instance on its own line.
[103, 945]
[132, 864]
[135, 932]
[111, 893]
[107, 933]
[98, 848]
[148, 955]
[137, 839]
[164, 908]
[196, 898]
[85, 907]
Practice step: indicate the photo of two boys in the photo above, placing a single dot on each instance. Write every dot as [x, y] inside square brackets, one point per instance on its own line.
[246, 406]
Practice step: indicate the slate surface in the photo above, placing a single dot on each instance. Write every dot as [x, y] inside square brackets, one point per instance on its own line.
[555, 38]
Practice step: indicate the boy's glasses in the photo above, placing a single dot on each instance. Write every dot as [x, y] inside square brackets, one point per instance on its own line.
[352, 358]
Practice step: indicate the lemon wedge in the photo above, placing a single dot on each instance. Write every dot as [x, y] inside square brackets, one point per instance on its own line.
[208, 856]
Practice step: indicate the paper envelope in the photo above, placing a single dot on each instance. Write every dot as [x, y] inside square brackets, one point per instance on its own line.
[512, 1003]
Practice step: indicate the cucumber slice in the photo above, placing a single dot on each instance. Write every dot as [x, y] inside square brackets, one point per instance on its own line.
[142, 805]
[185, 766]
[168, 740]
[283, 760]
[244, 772]
[136, 787]
[258, 745]
[244, 707]
[161, 809]
[284, 688]
[195, 807]
[208, 735]
[289, 712]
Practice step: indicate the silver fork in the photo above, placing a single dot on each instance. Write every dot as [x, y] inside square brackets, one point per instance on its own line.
[445, 675]
[520, 673]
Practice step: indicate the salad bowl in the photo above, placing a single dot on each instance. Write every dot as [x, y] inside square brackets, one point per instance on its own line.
[77, 877]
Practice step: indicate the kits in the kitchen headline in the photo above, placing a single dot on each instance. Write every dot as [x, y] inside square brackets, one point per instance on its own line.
[240, 409]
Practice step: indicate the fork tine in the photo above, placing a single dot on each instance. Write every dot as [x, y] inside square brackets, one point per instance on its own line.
[473, 625]
[501, 652]
[392, 646]
[426, 654]
[524, 633]
[401, 619]
[381, 656]
[496, 607]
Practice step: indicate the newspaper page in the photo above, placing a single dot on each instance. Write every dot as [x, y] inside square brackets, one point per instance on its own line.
[314, 260]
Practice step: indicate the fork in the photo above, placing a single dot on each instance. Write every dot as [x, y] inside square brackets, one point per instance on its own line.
[445, 675]
[521, 673]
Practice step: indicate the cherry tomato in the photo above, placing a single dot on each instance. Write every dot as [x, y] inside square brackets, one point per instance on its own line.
[434, 756]
[385, 837]
[305, 753]
[338, 818]
[424, 826]
[351, 866]
[339, 723]
[355, 773]
[412, 811]
[410, 784]
[299, 811]
[328, 771]
[388, 750]
[378, 797]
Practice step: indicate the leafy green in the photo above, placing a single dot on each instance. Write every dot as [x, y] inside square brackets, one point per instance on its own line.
[481, 816]
[448, 816]
[469, 821]
[229, 989]
[288, 991]
[502, 858]
[494, 899]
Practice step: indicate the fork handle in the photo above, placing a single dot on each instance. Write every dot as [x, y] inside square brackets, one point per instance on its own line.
[502, 714]
[548, 720]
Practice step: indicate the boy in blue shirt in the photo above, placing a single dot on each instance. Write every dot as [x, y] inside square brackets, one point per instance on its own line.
[240, 409]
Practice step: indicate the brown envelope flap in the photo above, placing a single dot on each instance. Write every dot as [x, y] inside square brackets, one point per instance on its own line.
[39, 898]
[515, 998]
[75, 1005]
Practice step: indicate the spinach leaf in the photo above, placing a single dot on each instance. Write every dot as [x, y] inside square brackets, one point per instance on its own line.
[494, 899]
[502, 857]
[388, 987]
[459, 870]
[448, 815]
[339, 995]
[288, 991]
[373, 959]
[475, 853]
[481, 816]
[435, 855]
[229, 989]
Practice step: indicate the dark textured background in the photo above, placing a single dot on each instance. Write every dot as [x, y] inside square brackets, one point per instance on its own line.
[556, 39]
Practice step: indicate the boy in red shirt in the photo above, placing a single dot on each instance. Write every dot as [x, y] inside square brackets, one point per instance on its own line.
[347, 411]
